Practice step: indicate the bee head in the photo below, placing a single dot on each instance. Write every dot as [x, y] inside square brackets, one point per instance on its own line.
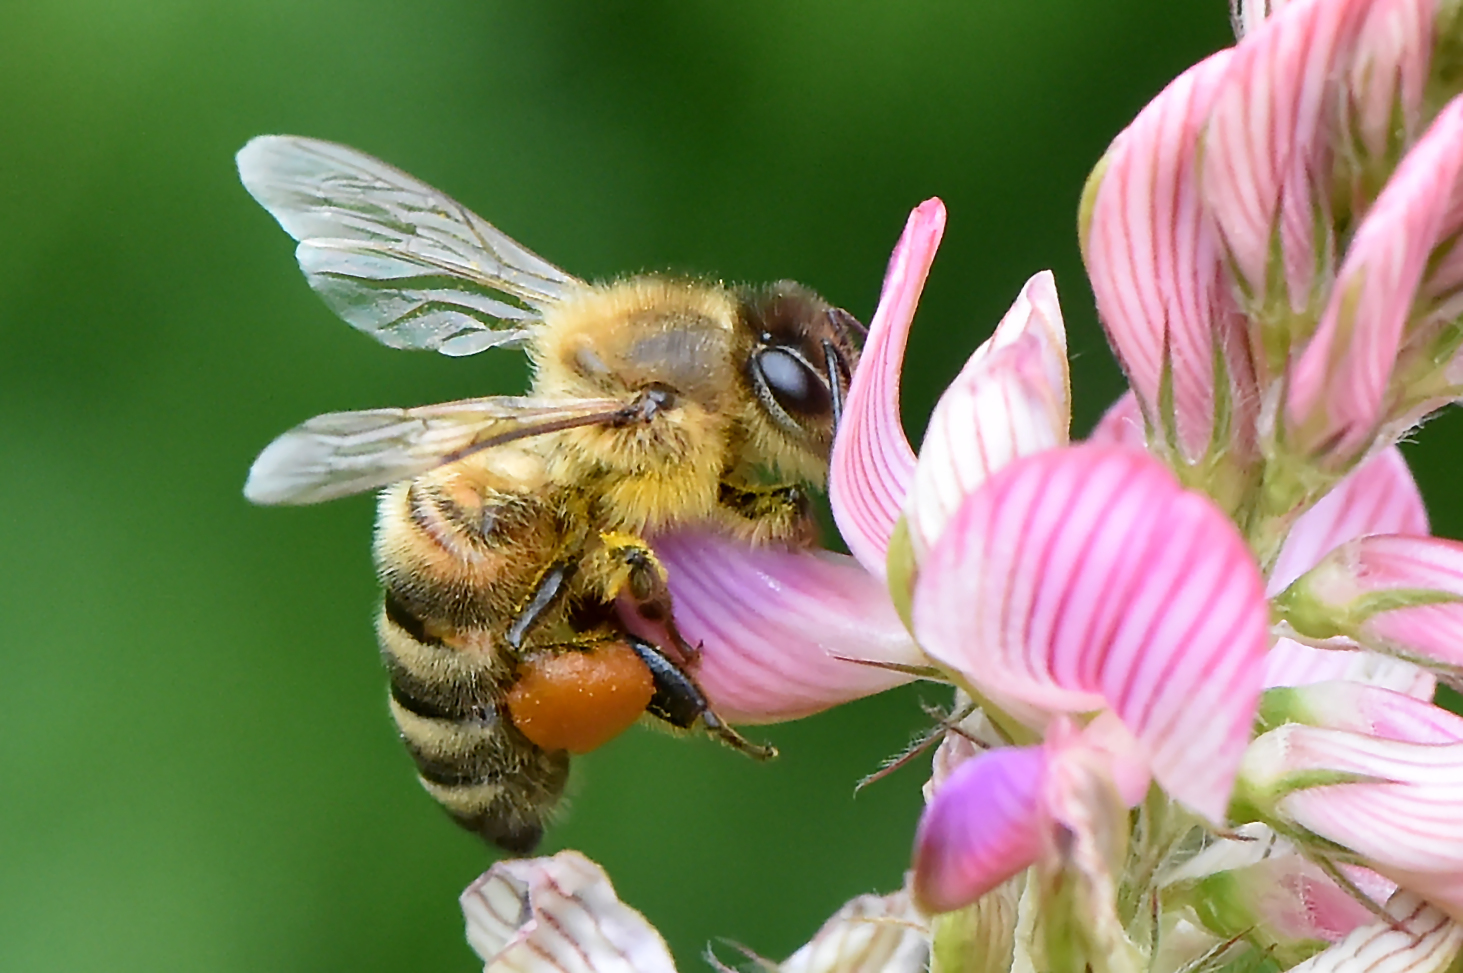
[802, 358]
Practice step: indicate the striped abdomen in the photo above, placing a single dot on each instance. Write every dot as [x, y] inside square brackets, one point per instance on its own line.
[458, 554]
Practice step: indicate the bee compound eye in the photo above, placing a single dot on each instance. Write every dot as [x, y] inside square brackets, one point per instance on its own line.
[792, 382]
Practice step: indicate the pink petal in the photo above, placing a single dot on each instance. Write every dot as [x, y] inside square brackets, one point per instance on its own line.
[1389, 71]
[1121, 425]
[1370, 710]
[1416, 938]
[1299, 901]
[1088, 577]
[1378, 497]
[1291, 663]
[1339, 384]
[1012, 398]
[981, 828]
[1156, 263]
[558, 915]
[777, 627]
[1375, 590]
[1293, 898]
[1406, 826]
[1257, 881]
[873, 464]
[1268, 144]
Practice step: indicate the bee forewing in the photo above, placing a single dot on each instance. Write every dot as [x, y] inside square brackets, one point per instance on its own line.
[394, 257]
[343, 453]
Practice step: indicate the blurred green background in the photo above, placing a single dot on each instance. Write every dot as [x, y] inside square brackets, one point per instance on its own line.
[197, 766]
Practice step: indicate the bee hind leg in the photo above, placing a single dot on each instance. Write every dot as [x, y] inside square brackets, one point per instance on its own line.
[677, 700]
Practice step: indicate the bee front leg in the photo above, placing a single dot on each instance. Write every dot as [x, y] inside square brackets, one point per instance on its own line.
[679, 701]
[634, 579]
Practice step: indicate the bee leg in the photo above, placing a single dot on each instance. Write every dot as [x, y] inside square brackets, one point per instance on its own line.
[764, 513]
[547, 590]
[637, 582]
[679, 701]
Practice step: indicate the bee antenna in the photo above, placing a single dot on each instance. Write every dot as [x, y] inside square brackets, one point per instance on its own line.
[846, 322]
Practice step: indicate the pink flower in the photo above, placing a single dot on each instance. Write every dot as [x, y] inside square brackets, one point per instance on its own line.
[1053, 581]
[1278, 288]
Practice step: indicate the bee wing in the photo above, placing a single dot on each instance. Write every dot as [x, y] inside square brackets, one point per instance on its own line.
[341, 453]
[399, 260]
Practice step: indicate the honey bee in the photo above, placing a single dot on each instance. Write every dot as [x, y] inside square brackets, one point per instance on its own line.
[525, 616]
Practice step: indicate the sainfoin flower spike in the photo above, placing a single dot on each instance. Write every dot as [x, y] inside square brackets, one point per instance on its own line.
[1195, 656]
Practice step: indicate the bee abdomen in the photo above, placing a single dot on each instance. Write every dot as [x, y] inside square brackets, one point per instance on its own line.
[489, 782]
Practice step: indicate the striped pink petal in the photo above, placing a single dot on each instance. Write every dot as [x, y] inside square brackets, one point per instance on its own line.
[1012, 398]
[1338, 394]
[777, 627]
[1401, 817]
[1378, 497]
[873, 464]
[1369, 710]
[1087, 577]
[1292, 663]
[1268, 145]
[1157, 265]
[1392, 593]
[1414, 938]
[558, 915]
[982, 828]
[1389, 72]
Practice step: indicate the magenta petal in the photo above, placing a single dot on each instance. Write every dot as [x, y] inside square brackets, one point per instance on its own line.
[1338, 385]
[777, 627]
[1389, 71]
[873, 463]
[982, 828]
[1378, 497]
[1088, 577]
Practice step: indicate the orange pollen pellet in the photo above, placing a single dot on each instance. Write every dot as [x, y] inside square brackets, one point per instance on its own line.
[577, 701]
